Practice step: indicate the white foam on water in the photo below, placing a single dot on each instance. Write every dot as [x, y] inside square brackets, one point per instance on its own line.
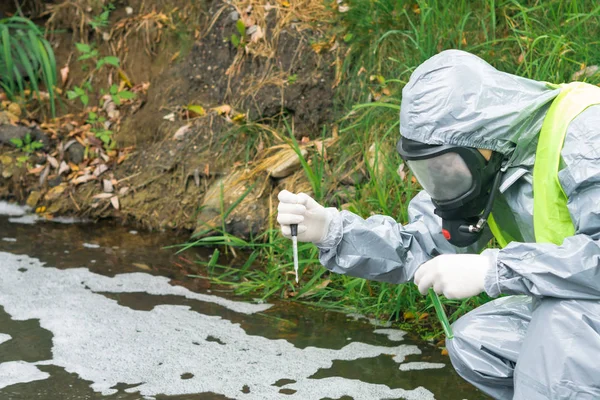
[29, 219]
[4, 337]
[91, 246]
[372, 321]
[395, 335]
[12, 210]
[417, 366]
[13, 372]
[106, 343]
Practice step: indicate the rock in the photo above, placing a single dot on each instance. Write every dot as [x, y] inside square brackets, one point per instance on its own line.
[287, 165]
[75, 153]
[4, 119]
[57, 180]
[8, 132]
[34, 198]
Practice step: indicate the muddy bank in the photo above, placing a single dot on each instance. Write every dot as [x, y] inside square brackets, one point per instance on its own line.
[210, 124]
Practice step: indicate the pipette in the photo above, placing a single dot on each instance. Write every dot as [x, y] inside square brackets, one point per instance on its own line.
[294, 229]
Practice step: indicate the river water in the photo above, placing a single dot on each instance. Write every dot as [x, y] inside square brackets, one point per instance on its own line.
[96, 311]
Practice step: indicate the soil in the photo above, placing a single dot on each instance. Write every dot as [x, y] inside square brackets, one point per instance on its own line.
[171, 184]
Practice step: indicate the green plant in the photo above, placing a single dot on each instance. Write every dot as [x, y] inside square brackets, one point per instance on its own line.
[101, 20]
[98, 128]
[117, 95]
[27, 144]
[80, 93]
[25, 59]
[89, 52]
[239, 41]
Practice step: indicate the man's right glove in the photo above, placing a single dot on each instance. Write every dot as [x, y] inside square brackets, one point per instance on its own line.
[312, 218]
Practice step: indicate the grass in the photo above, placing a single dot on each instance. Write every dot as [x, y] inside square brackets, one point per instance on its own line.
[26, 59]
[387, 40]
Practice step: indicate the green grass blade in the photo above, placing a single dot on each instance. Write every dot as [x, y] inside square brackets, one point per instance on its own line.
[7, 55]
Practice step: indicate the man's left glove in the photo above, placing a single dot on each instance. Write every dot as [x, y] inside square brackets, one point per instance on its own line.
[456, 276]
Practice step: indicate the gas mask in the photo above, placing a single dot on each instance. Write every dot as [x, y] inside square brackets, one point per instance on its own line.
[461, 182]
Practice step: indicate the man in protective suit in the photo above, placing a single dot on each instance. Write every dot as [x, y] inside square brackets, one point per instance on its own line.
[498, 156]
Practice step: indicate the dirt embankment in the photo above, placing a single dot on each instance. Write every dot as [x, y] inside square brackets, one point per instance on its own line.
[220, 87]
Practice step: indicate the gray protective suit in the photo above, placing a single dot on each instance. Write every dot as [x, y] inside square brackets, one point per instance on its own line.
[544, 341]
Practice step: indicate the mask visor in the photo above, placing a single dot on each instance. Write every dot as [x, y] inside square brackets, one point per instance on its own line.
[444, 177]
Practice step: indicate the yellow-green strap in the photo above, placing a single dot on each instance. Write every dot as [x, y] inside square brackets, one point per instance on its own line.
[551, 219]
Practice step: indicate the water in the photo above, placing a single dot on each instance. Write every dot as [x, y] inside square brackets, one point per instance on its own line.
[96, 311]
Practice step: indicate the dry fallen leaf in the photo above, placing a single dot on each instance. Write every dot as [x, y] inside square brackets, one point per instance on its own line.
[103, 196]
[221, 110]
[257, 34]
[115, 202]
[44, 175]
[179, 135]
[142, 266]
[83, 179]
[100, 169]
[52, 161]
[64, 73]
[55, 192]
[316, 288]
[107, 186]
[64, 167]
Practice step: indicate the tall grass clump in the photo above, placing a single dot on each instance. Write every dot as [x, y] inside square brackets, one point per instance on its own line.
[26, 59]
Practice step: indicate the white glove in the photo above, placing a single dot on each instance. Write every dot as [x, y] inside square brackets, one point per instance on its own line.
[312, 218]
[456, 276]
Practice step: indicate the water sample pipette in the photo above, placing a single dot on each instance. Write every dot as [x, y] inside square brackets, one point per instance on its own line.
[294, 229]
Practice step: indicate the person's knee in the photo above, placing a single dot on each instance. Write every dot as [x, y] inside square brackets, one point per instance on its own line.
[462, 346]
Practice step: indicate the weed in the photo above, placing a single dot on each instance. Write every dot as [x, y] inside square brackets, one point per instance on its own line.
[239, 41]
[27, 144]
[99, 129]
[26, 58]
[101, 20]
[117, 95]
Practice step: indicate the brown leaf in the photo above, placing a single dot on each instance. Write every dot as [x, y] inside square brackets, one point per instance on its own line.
[257, 34]
[180, 134]
[316, 288]
[142, 266]
[52, 161]
[222, 110]
[44, 175]
[115, 202]
[64, 167]
[64, 73]
[55, 192]
[83, 179]
[102, 196]
[100, 169]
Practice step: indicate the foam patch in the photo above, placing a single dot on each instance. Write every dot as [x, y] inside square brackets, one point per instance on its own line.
[171, 349]
[19, 372]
